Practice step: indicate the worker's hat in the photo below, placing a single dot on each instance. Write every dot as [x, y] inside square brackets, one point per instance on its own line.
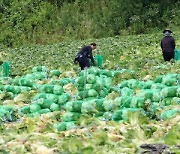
[167, 30]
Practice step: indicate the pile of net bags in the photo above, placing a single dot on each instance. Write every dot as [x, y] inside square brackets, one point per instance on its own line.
[50, 96]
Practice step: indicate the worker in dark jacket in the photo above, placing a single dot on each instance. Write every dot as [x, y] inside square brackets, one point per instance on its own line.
[167, 45]
[84, 55]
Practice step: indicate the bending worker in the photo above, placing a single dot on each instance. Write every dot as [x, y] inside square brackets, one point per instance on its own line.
[84, 55]
[167, 45]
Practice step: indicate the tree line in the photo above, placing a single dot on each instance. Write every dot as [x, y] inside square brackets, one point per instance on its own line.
[46, 21]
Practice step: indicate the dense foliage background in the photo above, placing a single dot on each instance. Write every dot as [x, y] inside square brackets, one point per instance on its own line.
[45, 21]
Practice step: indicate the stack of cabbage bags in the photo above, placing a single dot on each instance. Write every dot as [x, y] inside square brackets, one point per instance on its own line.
[92, 83]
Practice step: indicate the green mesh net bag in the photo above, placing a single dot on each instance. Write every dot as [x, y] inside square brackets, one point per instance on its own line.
[6, 69]
[158, 86]
[169, 81]
[62, 99]
[26, 82]
[156, 96]
[91, 78]
[44, 103]
[166, 101]
[108, 105]
[126, 92]
[9, 88]
[25, 109]
[37, 76]
[91, 70]
[158, 79]
[100, 105]
[88, 107]
[92, 93]
[34, 108]
[54, 73]
[147, 93]
[123, 114]
[46, 88]
[178, 92]
[52, 97]
[117, 115]
[132, 83]
[58, 90]
[49, 96]
[70, 116]
[7, 113]
[147, 84]
[123, 101]
[98, 60]
[64, 126]
[54, 107]
[169, 91]
[137, 102]
[123, 84]
[169, 114]
[74, 106]
[43, 111]
[177, 54]
[39, 69]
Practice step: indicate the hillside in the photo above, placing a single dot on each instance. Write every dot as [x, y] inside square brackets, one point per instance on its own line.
[118, 52]
[127, 106]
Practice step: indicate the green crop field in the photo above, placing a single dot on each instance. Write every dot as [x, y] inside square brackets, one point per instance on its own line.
[128, 104]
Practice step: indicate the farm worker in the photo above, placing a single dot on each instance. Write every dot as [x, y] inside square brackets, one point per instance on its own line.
[167, 45]
[84, 55]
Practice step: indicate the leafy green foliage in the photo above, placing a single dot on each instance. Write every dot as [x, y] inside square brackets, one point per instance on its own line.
[47, 21]
[173, 137]
[118, 53]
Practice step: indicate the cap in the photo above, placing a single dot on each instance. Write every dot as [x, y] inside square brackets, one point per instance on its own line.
[167, 30]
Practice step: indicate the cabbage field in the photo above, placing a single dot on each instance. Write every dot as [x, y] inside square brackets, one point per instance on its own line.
[131, 104]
